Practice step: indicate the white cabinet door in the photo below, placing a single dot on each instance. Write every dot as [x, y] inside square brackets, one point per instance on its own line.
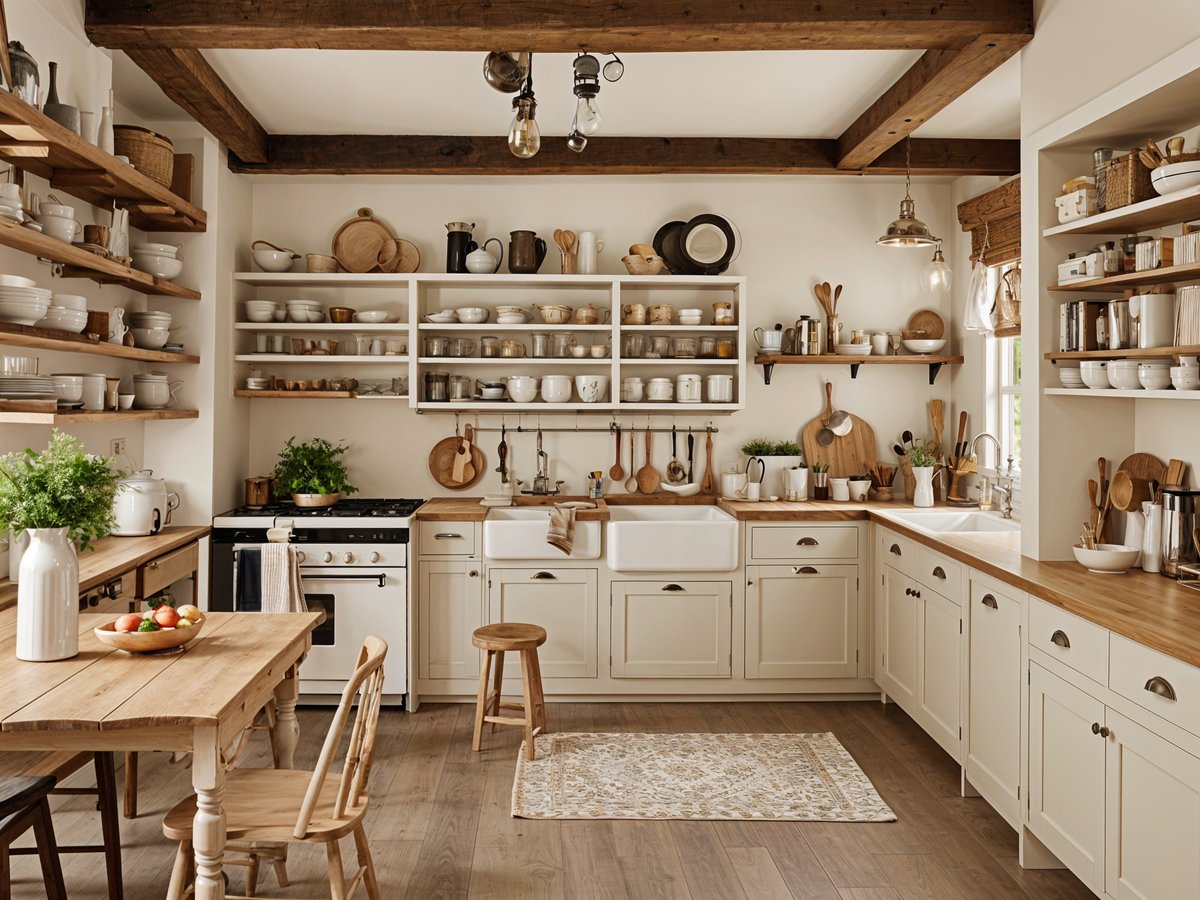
[898, 661]
[450, 608]
[678, 629]
[801, 621]
[563, 601]
[939, 683]
[1066, 774]
[993, 739]
[1153, 816]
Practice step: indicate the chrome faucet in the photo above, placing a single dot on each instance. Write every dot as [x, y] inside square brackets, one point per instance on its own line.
[1003, 482]
[541, 481]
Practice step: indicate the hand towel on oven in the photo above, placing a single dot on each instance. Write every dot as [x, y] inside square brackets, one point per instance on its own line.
[279, 574]
[561, 533]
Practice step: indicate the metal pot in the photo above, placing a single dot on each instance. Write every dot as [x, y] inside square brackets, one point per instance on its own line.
[258, 490]
[143, 504]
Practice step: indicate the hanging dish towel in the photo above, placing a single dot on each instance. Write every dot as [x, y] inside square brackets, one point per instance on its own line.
[279, 577]
[978, 316]
[562, 525]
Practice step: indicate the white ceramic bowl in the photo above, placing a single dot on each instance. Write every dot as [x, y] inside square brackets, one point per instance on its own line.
[23, 312]
[17, 281]
[492, 393]
[56, 209]
[1070, 377]
[272, 260]
[523, 388]
[259, 316]
[167, 267]
[922, 346]
[64, 320]
[297, 315]
[691, 312]
[1095, 374]
[1185, 384]
[68, 387]
[155, 249]
[473, 315]
[1106, 559]
[1154, 378]
[556, 388]
[1170, 178]
[511, 319]
[1123, 375]
[689, 320]
[371, 316]
[70, 301]
[149, 319]
[591, 388]
[149, 338]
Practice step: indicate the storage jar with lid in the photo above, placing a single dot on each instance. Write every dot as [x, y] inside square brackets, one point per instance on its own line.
[660, 390]
[631, 390]
[688, 389]
[685, 348]
[720, 388]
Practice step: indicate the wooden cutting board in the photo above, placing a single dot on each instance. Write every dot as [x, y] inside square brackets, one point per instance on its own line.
[407, 257]
[359, 244]
[846, 455]
[441, 463]
[1145, 466]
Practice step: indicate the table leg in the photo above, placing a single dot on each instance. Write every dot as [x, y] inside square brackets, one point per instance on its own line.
[287, 726]
[208, 826]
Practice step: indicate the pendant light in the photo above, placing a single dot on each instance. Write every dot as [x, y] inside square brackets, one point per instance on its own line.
[524, 138]
[936, 277]
[908, 230]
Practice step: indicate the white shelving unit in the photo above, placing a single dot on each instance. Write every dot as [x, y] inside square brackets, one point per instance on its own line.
[1113, 393]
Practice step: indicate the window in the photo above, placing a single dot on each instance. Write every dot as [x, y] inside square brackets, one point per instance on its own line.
[1003, 388]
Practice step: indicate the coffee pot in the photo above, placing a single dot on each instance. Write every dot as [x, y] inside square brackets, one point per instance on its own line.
[458, 245]
[483, 261]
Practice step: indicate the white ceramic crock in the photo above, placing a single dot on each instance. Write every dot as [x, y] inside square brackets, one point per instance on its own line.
[143, 504]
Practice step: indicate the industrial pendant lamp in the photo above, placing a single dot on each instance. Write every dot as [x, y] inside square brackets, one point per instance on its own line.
[524, 138]
[936, 277]
[907, 230]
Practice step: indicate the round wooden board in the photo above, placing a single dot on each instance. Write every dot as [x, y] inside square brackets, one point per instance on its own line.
[441, 463]
[1145, 466]
[357, 245]
[928, 322]
[407, 257]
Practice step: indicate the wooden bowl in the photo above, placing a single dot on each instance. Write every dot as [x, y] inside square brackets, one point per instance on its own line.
[147, 641]
[644, 265]
[340, 315]
[316, 499]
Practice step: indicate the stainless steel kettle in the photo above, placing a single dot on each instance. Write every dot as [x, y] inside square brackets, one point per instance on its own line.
[1178, 525]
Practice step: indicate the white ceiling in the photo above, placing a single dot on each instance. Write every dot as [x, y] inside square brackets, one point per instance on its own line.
[809, 94]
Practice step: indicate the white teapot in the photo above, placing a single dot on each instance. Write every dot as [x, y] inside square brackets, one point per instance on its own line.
[483, 261]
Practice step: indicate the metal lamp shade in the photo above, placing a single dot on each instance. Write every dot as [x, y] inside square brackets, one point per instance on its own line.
[907, 230]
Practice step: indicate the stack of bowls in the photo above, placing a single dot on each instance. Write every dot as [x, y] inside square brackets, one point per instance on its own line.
[261, 310]
[1095, 374]
[1154, 374]
[1070, 377]
[690, 316]
[1123, 374]
[305, 310]
[68, 387]
[158, 260]
[1185, 378]
[21, 301]
[150, 329]
[67, 312]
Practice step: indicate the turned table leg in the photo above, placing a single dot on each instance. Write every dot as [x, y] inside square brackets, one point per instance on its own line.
[287, 727]
[208, 826]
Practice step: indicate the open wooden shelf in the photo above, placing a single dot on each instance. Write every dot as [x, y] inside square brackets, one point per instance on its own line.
[81, 264]
[87, 415]
[294, 395]
[1135, 353]
[1157, 212]
[1113, 394]
[935, 363]
[266, 359]
[48, 339]
[40, 145]
[1118, 283]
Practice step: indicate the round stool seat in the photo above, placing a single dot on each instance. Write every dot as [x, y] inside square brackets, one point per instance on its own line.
[509, 636]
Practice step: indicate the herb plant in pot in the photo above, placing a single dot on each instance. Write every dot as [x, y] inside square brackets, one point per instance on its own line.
[60, 497]
[777, 458]
[313, 472]
[924, 465]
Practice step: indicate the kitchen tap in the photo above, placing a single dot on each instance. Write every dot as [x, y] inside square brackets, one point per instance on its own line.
[541, 481]
[1003, 482]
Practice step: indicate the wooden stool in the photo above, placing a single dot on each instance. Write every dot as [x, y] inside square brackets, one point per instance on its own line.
[497, 640]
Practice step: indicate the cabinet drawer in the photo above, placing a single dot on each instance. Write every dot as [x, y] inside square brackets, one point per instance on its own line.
[940, 574]
[898, 552]
[1156, 682]
[447, 538]
[803, 542]
[1073, 641]
[167, 569]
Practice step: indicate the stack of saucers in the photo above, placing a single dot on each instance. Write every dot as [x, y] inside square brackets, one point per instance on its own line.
[26, 387]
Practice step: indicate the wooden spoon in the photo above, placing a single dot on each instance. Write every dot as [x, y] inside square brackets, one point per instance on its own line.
[837, 293]
[631, 484]
[708, 483]
[617, 472]
[648, 478]
[468, 469]
[569, 239]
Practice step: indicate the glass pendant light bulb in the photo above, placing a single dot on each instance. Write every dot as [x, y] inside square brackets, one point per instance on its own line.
[936, 277]
[587, 116]
[524, 138]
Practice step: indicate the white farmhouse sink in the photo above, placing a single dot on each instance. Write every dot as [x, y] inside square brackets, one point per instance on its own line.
[519, 532]
[671, 539]
[944, 521]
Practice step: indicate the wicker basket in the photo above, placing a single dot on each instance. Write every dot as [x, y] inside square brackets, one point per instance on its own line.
[1190, 156]
[1126, 181]
[151, 154]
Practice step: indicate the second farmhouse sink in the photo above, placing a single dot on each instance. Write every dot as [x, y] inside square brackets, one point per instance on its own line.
[944, 521]
[671, 539]
[519, 532]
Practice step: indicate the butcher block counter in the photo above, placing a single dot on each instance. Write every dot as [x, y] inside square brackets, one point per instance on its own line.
[470, 509]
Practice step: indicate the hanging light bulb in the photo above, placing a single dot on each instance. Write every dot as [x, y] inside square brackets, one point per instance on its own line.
[524, 138]
[587, 111]
[907, 230]
[587, 115]
[936, 277]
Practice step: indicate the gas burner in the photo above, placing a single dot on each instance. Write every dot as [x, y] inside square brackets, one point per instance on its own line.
[366, 507]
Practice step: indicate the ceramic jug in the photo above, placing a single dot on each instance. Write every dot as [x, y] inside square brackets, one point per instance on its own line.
[526, 252]
[482, 261]
[587, 253]
[458, 245]
[116, 326]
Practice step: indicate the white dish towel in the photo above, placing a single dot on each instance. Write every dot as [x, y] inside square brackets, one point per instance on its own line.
[279, 573]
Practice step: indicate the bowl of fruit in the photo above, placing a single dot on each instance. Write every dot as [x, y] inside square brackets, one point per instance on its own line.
[162, 628]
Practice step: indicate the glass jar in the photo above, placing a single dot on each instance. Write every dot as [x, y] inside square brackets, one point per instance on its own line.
[707, 347]
[726, 349]
[685, 348]
[437, 386]
[460, 387]
[561, 344]
[437, 346]
[511, 348]
[722, 313]
[460, 347]
[660, 348]
[489, 347]
[633, 346]
[541, 345]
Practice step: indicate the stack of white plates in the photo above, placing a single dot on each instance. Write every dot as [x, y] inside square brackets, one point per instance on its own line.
[853, 349]
[26, 387]
[1070, 377]
[149, 319]
[24, 305]
[446, 317]
[59, 318]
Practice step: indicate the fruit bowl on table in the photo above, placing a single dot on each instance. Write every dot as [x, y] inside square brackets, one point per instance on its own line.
[148, 641]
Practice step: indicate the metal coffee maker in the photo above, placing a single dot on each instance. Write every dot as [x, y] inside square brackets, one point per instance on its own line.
[1178, 526]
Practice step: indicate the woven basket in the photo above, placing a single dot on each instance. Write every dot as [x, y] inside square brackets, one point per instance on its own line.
[1126, 181]
[1190, 156]
[151, 154]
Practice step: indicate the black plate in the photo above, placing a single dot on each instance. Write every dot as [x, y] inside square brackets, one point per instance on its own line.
[719, 265]
[666, 245]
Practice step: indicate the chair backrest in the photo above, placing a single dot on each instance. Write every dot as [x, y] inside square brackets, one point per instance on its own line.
[365, 685]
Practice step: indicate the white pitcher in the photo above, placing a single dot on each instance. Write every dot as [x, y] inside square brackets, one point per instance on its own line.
[586, 253]
[116, 325]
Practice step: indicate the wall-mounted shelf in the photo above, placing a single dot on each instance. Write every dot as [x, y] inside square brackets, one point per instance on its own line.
[306, 358]
[1157, 212]
[1135, 353]
[47, 339]
[1112, 393]
[322, 327]
[294, 395]
[40, 145]
[529, 327]
[935, 363]
[501, 407]
[500, 279]
[82, 415]
[81, 264]
[1117, 283]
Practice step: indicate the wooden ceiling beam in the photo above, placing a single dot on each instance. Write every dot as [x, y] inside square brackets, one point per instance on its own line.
[358, 154]
[938, 78]
[599, 25]
[188, 80]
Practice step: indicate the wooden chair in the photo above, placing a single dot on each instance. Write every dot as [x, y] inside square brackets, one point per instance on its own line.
[59, 765]
[497, 640]
[282, 806]
[23, 805]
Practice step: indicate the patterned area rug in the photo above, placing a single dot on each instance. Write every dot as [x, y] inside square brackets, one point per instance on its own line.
[782, 777]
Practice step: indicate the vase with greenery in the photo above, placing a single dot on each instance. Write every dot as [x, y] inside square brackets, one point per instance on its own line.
[924, 464]
[313, 472]
[778, 457]
[61, 497]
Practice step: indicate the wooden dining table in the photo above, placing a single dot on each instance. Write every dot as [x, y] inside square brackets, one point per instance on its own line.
[196, 700]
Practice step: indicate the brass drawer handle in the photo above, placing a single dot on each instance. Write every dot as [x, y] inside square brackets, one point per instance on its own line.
[989, 601]
[805, 570]
[1162, 687]
[939, 572]
[1060, 639]
[673, 587]
[543, 576]
[808, 542]
[152, 565]
[895, 550]
[447, 536]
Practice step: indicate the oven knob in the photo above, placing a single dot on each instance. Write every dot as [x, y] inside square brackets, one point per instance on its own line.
[375, 557]
[347, 558]
[327, 557]
[300, 557]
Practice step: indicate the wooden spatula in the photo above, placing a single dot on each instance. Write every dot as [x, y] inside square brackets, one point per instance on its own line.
[648, 478]
[708, 484]
[468, 468]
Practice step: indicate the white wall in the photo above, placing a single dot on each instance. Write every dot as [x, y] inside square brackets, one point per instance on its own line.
[795, 231]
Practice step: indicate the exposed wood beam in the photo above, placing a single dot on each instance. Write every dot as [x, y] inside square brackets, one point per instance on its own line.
[935, 80]
[600, 25]
[187, 79]
[357, 154]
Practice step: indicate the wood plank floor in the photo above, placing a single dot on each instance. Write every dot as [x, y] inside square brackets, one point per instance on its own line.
[440, 824]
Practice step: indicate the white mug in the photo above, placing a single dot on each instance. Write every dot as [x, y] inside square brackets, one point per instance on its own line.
[769, 341]
[586, 253]
[879, 343]
[752, 491]
[66, 230]
[839, 488]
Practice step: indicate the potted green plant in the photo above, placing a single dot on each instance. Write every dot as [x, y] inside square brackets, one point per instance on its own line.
[777, 458]
[924, 464]
[61, 497]
[313, 472]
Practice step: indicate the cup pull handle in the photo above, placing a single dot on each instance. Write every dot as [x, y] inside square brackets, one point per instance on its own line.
[989, 601]
[1060, 639]
[808, 542]
[673, 587]
[939, 572]
[805, 570]
[895, 550]
[1162, 687]
[543, 576]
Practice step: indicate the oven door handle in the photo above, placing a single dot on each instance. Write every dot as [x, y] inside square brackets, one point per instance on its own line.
[380, 577]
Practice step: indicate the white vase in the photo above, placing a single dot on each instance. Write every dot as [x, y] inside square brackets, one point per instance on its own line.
[1152, 537]
[923, 486]
[48, 598]
[1135, 533]
[16, 549]
[104, 134]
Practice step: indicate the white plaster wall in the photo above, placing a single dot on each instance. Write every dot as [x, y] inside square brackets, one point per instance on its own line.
[796, 231]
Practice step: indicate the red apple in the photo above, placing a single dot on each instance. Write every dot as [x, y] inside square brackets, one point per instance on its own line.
[129, 622]
[166, 616]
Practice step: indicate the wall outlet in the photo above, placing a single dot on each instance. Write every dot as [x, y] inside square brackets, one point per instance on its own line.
[116, 447]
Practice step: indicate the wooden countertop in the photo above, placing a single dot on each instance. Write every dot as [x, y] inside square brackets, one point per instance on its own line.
[111, 556]
[470, 509]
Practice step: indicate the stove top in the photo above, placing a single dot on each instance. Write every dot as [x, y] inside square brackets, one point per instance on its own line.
[347, 512]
